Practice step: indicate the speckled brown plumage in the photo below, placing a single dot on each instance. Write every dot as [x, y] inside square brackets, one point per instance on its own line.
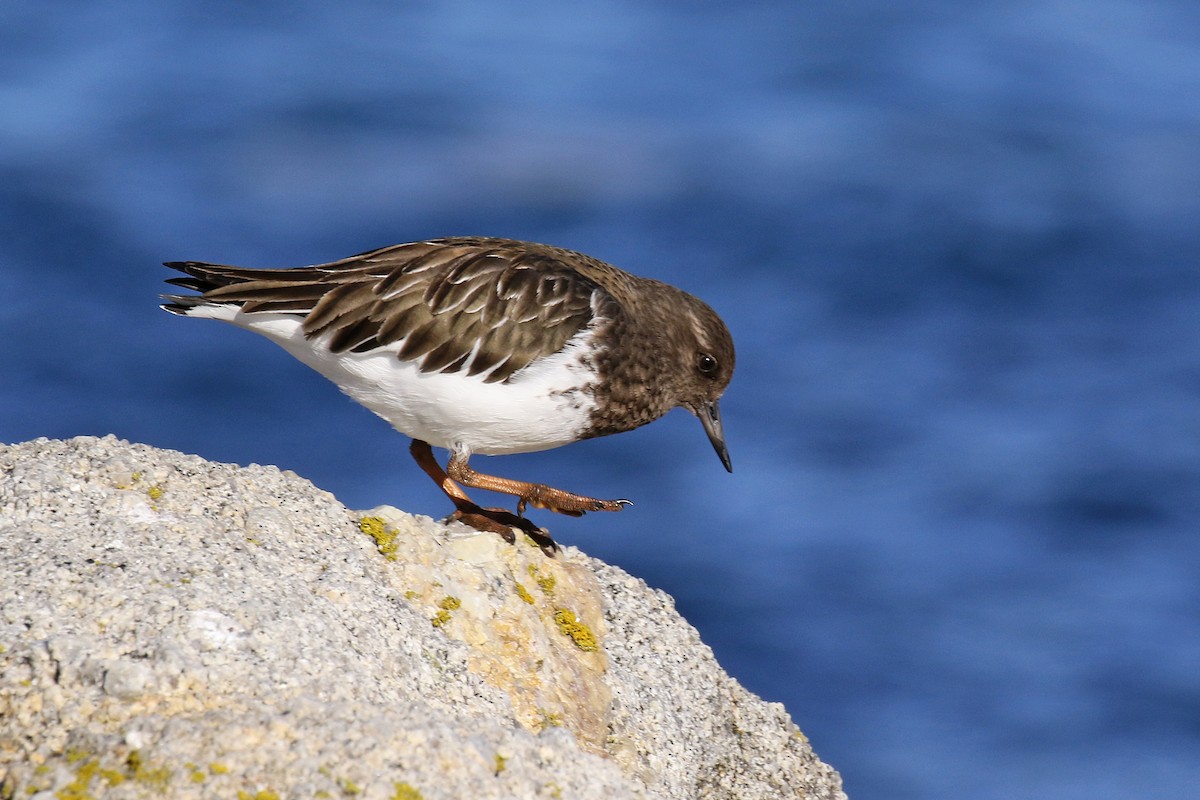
[509, 302]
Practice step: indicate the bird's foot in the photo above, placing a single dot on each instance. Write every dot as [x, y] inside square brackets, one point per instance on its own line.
[563, 502]
[505, 523]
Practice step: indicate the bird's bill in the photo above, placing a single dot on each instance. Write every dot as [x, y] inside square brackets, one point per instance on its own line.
[710, 418]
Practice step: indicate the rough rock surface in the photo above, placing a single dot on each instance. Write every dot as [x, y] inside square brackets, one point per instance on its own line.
[174, 627]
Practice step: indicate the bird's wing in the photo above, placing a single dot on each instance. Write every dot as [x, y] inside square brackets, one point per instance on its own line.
[481, 306]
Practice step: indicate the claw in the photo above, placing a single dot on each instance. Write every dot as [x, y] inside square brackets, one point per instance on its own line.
[611, 505]
[504, 523]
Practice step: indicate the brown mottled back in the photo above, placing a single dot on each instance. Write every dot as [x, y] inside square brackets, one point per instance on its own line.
[478, 305]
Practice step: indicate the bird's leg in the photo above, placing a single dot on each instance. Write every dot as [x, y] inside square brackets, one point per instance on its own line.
[422, 453]
[537, 495]
[493, 520]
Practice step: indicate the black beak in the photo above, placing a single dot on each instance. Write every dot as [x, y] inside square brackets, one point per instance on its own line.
[710, 418]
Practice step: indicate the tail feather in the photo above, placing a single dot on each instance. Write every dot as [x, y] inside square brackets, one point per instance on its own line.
[276, 290]
[206, 276]
[182, 304]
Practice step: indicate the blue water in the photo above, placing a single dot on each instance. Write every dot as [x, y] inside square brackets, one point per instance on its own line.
[956, 244]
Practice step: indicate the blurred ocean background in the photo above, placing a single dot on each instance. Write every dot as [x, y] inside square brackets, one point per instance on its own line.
[957, 243]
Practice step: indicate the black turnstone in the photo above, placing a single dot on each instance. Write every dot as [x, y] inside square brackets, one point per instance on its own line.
[482, 345]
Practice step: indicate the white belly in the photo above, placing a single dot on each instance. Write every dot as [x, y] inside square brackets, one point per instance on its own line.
[541, 407]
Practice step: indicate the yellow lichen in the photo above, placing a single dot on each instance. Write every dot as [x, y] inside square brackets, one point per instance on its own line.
[405, 791]
[385, 538]
[544, 582]
[501, 763]
[261, 794]
[156, 492]
[446, 604]
[523, 593]
[579, 633]
[112, 777]
[137, 769]
[349, 787]
[78, 788]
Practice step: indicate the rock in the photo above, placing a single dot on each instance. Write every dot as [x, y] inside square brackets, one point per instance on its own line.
[175, 627]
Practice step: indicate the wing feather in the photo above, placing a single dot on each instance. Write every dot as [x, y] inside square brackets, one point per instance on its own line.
[476, 305]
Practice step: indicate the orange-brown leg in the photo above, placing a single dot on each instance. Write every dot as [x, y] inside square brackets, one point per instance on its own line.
[537, 495]
[422, 453]
[493, 520]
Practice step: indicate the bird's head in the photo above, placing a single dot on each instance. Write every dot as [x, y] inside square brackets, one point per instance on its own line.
[704, 351]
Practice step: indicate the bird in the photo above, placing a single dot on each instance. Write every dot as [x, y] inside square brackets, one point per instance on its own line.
[483, 345]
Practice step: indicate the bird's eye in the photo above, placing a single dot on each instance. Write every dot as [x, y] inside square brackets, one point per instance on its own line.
[706, 364]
